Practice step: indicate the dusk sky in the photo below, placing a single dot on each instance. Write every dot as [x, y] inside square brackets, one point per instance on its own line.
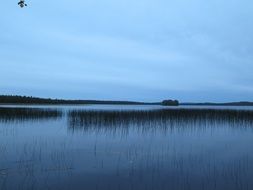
[143, 50]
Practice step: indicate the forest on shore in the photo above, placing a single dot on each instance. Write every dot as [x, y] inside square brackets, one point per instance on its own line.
[12, 99]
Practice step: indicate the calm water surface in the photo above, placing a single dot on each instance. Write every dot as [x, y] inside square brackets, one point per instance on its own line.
[125, 148]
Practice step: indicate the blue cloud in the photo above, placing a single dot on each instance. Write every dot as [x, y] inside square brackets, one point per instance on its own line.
[139, 50]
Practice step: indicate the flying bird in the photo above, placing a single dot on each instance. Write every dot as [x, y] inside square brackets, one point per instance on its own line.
[22, 3]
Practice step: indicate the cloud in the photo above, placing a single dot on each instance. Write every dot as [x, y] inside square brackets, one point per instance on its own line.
[193, 50]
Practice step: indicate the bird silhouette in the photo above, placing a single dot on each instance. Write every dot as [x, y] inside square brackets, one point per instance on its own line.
[22, 3]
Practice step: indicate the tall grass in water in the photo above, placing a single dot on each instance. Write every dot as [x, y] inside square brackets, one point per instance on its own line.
[165, 117]
[25, 114]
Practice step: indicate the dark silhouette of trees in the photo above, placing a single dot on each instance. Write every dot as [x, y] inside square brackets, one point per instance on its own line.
[170, 103]
[4, 99]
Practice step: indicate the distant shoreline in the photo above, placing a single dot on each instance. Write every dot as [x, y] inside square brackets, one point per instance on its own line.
[28, 100]
[218, 104]
[24, 100]
[146, 104]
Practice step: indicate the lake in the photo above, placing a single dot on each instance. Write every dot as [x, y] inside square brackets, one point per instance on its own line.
[109, 147]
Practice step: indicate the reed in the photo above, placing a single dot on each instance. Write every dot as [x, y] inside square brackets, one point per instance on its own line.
[163, 117]
[24, 114]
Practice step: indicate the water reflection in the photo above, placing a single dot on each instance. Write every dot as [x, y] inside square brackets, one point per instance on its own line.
[126, 150]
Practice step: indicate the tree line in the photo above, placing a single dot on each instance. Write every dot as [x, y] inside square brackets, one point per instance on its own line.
[13, 99]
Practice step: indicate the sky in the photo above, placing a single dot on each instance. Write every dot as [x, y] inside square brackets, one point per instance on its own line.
[141, 50]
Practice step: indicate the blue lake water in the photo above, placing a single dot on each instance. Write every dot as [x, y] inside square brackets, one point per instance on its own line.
[125, 147]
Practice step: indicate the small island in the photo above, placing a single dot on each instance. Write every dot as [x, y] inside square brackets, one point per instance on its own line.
[170, 103]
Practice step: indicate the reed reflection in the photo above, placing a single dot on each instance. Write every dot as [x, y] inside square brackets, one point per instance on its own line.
[201, 149]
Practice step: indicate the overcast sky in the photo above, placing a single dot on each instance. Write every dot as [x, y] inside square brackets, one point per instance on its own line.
[147, 50]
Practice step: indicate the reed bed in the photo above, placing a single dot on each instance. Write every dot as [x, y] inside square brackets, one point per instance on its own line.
[25, 114]
[164, 117]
